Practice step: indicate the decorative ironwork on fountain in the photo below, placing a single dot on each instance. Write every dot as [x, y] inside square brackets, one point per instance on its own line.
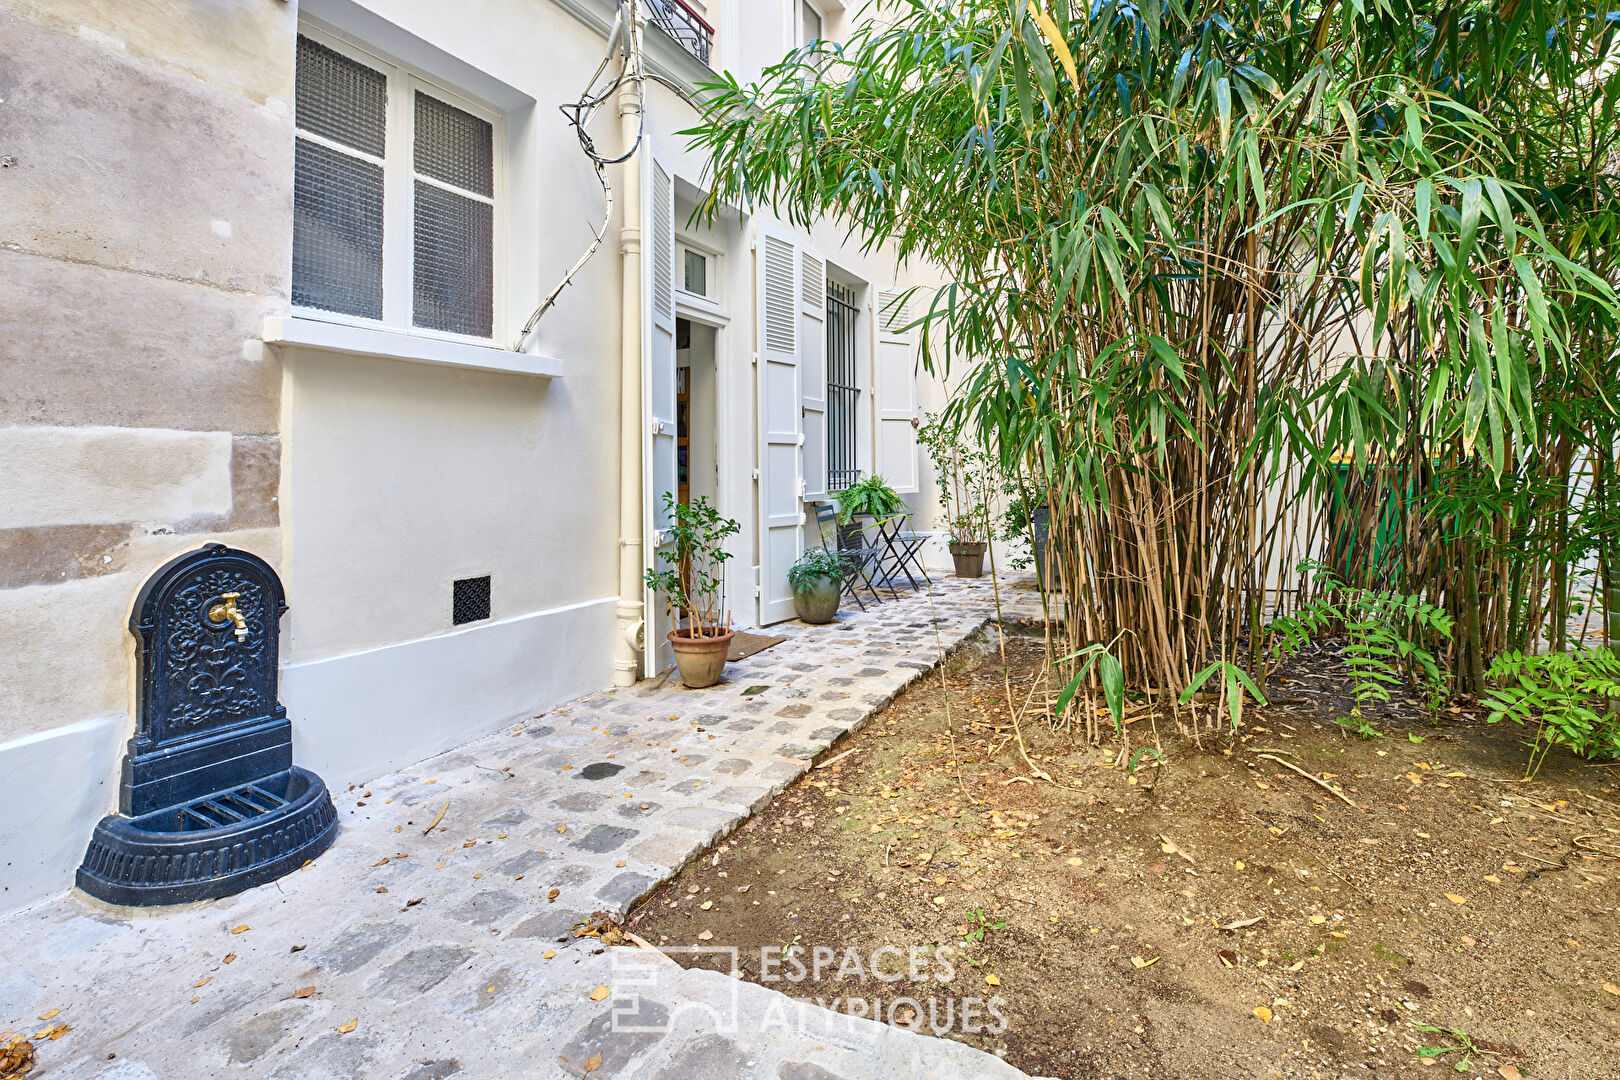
[210, 802]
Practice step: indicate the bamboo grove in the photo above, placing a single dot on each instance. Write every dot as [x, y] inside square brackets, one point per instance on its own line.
[1231, 286]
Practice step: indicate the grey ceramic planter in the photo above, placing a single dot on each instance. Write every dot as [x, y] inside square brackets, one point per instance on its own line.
[816, 601]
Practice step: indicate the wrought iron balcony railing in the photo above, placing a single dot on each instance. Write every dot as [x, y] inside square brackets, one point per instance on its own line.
[683, 24]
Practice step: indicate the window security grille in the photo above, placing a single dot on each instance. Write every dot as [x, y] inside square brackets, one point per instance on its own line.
[843, 387]
[469, 600]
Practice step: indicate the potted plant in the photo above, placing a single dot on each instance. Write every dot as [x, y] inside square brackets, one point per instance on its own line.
[869, 496]
[817, 579]
[1027, 519]
[964, 475]
[694, 586]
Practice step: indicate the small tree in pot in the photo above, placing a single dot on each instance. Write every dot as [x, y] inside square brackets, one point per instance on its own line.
[965, 477]
[693, 584]
[818, 582]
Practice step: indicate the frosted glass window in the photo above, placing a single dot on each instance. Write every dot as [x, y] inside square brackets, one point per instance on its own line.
[393, 195]
[455, 242]
[337, 231]
[338, 183]
[455, 219]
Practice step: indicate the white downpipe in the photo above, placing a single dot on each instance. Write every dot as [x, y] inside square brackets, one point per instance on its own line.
[630, 615]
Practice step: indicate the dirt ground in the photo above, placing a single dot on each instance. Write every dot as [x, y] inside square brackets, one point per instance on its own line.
[1226, 918]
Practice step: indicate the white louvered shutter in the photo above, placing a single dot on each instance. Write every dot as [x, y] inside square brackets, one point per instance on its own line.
[657, 383]
[895, 387]
[781, 434]
[813, 370]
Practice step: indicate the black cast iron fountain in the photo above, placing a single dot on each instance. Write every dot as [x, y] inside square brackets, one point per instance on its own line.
[210, 802]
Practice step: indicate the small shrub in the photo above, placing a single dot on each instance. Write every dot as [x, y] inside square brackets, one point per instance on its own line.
[815, 564]
[1567, 695]
[1384, 640]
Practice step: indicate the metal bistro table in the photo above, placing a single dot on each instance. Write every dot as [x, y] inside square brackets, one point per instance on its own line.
[898, 551]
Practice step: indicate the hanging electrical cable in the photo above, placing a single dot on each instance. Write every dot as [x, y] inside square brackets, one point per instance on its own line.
[623, 45]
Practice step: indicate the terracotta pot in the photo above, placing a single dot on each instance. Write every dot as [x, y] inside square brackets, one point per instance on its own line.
[816, 601]
[969, 558]
[700, 660]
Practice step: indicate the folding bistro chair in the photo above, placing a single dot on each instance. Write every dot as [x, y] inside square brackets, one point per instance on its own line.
[858, 561]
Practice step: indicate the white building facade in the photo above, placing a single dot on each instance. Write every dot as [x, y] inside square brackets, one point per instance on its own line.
[265, 264]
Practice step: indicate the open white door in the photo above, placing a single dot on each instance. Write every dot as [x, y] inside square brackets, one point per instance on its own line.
[781, 434]
[895, 384]
[657, 383]
[813, 371]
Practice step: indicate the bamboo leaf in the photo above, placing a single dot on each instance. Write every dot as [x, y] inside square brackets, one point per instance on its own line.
[1054, 38]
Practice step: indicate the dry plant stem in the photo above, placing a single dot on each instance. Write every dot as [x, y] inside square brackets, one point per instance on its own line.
[1006, 672]
[1318, 781]
[945, 688]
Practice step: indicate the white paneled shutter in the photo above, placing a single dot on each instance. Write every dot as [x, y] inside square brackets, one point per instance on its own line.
[813, 370]
[781, 433]
[657, 383]
[895, 385]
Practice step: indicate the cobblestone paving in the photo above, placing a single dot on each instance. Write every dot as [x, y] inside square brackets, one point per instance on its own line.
[450, 951]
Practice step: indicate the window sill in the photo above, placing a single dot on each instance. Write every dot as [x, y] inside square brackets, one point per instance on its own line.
[389, 344]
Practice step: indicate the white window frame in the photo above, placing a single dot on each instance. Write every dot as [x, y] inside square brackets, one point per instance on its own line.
[399, 189]
[711, 298]
[828, 12]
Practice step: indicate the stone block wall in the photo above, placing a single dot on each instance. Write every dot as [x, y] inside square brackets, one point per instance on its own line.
[145, 233]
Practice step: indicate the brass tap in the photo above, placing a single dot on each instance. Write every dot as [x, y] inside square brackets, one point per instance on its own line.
[226, 611]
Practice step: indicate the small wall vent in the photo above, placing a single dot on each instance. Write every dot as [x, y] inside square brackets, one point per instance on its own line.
[469, 600]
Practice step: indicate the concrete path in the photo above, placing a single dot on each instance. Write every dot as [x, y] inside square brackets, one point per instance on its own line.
[400, 954]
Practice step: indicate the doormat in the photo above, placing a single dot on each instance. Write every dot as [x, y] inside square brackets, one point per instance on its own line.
[744, 645]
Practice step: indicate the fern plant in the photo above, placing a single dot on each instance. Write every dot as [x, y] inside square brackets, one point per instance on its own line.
[1567, 695]
[1384, 632]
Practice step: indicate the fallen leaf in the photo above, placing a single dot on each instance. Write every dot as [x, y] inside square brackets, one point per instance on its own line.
[344, 1029]
[16, 1057]
[1264, 1014]
[54, 1032]
[1241, 923]
[50, 1014]
[1228, 957]
[548, 954]
[593, 1062]
[1611, 988]
[295, 948]
[437, 817]
[1455, 899]
[304, 992]
[1510, 1072]
[201, 982]
[599, 993]
[413, 903]
[239, 929]
[1137, 961]
[991, 980]
[228, 958]
[706, 905]
[1318, 920]
[706, 935]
